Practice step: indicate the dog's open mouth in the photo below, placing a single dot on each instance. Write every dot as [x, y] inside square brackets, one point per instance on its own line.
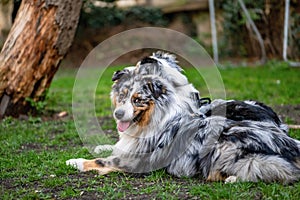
[123, 126]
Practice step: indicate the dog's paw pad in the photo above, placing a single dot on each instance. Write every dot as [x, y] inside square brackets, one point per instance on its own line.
[231, 179]
[77, 163]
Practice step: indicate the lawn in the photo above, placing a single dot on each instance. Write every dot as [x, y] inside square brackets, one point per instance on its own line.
[34, 149]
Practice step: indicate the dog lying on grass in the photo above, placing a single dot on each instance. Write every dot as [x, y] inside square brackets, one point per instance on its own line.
[162, 123]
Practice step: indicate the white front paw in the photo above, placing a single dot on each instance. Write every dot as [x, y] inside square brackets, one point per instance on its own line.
[77, 163]
[231, 179]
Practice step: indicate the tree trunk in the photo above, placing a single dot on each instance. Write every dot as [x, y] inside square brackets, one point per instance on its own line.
[42, 33]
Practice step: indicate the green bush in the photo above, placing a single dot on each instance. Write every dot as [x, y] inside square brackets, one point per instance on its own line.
[99, 17]
[234, 24]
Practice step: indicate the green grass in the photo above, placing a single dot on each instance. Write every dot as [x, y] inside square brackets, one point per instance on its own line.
[34, 151]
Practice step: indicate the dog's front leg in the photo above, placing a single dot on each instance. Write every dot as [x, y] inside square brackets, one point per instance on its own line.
[102, 165]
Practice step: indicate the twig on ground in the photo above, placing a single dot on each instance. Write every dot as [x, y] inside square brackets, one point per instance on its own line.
[294, 126]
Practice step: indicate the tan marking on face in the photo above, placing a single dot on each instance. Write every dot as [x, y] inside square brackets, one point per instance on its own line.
[145, 110]
[147, 113]
[135, 95]
[125, 91]
[114, 100]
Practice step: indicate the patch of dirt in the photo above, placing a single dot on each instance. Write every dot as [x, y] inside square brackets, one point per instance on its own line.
[47, 115]
[37, 147]
[32, 146]
[82, 182]
[57, 130]
[289, 113]
[137, 182]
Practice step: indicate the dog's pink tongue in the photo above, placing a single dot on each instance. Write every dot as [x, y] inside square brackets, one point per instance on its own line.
[123, 126]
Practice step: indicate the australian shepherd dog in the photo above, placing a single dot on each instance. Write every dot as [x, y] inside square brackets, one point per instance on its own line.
[163, 123]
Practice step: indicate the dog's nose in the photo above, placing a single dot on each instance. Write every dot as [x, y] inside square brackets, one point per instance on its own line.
[119, 114]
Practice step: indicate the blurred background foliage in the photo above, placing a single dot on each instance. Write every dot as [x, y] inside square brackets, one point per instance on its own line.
[110, 15]
[101, 19]
[268, 16]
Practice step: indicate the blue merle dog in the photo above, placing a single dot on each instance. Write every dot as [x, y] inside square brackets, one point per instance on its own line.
[163, 123]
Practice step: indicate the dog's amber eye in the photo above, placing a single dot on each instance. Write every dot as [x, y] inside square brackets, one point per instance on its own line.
[137, 102]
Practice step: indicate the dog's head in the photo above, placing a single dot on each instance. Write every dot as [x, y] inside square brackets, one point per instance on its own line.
[152, 86]
[137, 97]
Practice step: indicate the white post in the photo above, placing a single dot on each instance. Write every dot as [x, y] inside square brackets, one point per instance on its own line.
[213, 30]
[286, 36]
[286, 27]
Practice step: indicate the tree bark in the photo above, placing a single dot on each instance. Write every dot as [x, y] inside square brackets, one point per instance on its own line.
[40, 37]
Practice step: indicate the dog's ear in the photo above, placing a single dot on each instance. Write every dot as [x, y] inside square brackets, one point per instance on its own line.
[149, 66]
[148, 60]
[156, 88]
[118, 74]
